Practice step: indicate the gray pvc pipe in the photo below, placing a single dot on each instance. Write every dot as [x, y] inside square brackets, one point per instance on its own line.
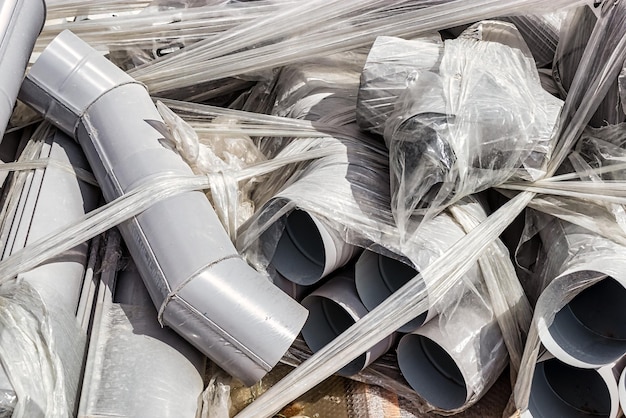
[308, 250]
[333, 308]
[451, 362]
[561, 390]
[50, 199]
[590, 330]
[141, 368]
[21, 22]
[201, 286]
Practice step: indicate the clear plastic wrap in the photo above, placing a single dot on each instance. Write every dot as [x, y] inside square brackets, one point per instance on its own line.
[575, 35]
[477, 120]
[541, 33]
[317, 28]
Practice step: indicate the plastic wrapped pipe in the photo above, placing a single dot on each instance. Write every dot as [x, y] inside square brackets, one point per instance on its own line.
[442, 123]
[21, 22]
[139, 368]
[308, 250]
[453, 360]
[333, 308]
[48, 199]
[194, 275]
[589, 331]
[378, 276]
[561, 390]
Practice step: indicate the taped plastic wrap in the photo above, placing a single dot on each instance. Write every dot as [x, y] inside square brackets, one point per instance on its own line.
[476, 121]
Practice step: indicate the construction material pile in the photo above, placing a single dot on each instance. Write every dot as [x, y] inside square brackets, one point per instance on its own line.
[417, 195]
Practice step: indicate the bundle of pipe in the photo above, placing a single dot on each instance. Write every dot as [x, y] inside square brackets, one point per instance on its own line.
[192, 271]
[135, 366]
[455, 351]
[20, 24]
[581, 324]
[586, 290]
[37, 204]
[333, 308]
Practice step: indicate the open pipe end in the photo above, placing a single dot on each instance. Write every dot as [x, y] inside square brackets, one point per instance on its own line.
[327, 320]
[431, 372]
[560, 390]
[590, 331]
[301, 254]
[378, 276]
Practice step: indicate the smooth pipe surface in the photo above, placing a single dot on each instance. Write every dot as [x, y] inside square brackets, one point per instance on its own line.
[307, 250]
[21, 22]
[333, 308]
[200, 285]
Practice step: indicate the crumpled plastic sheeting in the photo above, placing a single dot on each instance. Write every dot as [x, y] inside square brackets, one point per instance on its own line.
[28, 349]
[468, 126]
[215, 156]
[216, 401]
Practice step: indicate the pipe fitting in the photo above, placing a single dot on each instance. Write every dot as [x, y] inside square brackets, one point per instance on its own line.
[201, 286]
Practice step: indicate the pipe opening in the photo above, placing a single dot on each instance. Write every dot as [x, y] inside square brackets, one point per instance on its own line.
[431, 372]
[300, 254]
[327, 319]
[560, 390]
[592, 327]
[377, 277]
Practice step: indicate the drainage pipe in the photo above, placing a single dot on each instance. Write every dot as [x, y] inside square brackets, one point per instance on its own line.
[21, 22]
[453, 360]
[561, 390]
[378, 276]
[333, 308]
[581, 319]
[308, 250]
[200, 285]
[49, 199]
[138, 367]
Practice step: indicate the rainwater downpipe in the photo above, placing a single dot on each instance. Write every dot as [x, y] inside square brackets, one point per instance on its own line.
[200, 285]
[21, 22]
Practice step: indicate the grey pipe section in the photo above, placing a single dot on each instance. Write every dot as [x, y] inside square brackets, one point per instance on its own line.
[21, 22]
[622, 390]
[378, 276]
[50, 199]
[308, 250]
[201, 286]
[333, 308]
[561, 390]
[453, 360]
[141, 368]
[588, 331]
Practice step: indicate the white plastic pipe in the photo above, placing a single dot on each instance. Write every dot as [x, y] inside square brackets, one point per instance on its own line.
[200, 285]
[21, 22]
[622, 390]
[333, 308]
[561, 390]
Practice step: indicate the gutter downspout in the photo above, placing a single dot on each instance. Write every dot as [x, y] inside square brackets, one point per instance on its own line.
[200, 285]
[21, 22]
